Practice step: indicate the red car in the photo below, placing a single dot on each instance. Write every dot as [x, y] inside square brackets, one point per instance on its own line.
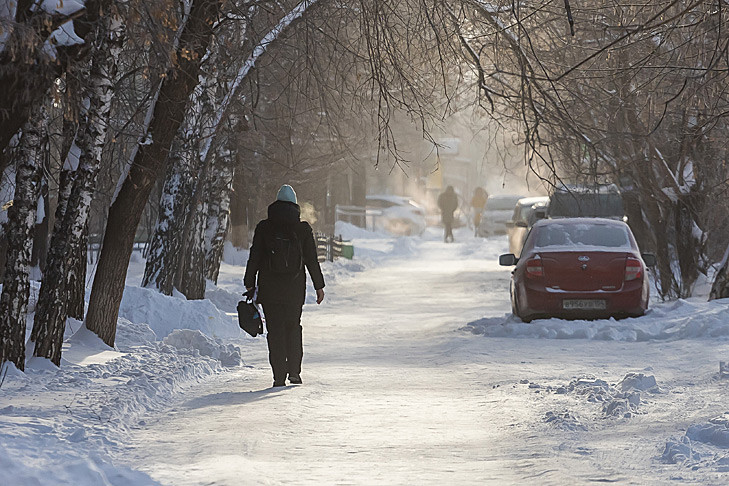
[579, 268]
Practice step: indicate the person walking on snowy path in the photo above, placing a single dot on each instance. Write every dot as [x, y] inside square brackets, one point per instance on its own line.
[282, 246]
[478, 203]
[448, 203]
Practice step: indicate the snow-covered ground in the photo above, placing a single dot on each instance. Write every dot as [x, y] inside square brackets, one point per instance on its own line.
[414, 372]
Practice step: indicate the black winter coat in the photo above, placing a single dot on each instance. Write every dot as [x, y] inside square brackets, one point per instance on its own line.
[274, 287]
[448, 203]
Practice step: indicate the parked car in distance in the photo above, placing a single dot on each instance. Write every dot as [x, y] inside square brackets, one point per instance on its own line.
[528, 211]
[496, 214]
[398, 215]
[602, 201]
[579, 268]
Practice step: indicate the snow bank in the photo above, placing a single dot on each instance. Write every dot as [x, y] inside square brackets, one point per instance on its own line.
[130, 334]
[198, 344]
[704, 445]
[71, 420]
[351, 232]
[234, 256]
[68, 470]
[675, 320]
[163, 313]
[224, 300]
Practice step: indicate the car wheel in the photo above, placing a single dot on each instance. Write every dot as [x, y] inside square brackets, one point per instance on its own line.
[515, 310]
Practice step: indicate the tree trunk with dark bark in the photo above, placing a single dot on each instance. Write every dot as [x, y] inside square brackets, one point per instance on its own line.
[21, 222]
[40, 235]
[26, 72]
[239, 213]
[126, 211]
[77, 278]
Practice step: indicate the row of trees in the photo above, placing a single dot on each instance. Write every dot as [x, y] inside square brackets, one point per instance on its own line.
[179, 111]
[630, 94]
[156, 99]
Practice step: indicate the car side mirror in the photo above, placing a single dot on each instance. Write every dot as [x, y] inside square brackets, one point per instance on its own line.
[521, 224]
[508, 260]
[649, 259]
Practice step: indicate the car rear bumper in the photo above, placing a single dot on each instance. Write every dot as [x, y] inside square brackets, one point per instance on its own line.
[536, 301]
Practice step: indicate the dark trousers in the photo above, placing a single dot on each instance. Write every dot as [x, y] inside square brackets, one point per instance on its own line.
[285, 346]
[448, 227]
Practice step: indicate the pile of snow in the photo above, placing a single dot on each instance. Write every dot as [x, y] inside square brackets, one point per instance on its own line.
[349, 231]
[198, 344]
[703, 445]
[72, 420]
[130, 334]
[564, 420]
[621, 400]
[163, 314]
[234, 256]
[681, 319]
[224, 300]
[638, 381]
[68, 469]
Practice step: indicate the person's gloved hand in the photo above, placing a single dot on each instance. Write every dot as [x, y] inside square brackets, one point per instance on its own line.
[250, 294]
[319, 296]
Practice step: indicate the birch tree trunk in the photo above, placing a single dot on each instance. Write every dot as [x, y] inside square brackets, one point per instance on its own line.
[21, 222]
[219, 191]
[149, 162]
[25, 72]
[169, 253]
[60, 284]
[720, 286]
[191, 274]
[166, 245]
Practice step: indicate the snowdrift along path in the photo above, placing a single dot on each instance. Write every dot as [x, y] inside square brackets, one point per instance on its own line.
[398, 391]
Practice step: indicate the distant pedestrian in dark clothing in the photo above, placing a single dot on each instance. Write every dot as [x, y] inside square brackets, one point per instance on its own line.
[282, 246]
[448, 203]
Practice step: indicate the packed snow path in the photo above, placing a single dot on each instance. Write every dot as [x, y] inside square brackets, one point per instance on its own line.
[395, 392]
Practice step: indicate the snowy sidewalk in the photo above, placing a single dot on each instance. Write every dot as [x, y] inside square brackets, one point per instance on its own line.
[387, 398]
[414, 373]
[397, 391]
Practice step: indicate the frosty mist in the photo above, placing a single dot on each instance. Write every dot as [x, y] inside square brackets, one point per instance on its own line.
[141, 141]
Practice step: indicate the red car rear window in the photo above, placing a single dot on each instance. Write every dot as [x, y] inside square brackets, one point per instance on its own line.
[583, 234]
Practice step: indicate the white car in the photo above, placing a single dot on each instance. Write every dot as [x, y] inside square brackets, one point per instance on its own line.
[397, 215]
[497, 214]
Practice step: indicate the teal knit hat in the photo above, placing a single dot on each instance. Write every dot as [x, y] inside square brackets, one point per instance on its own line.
[286, 193]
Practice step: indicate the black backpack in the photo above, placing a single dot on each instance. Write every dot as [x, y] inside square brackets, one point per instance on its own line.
[285, 253]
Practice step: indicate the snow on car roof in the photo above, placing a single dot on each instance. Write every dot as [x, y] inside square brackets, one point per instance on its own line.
[580, 189]
[529, 201]
[606, 221]
[388, 197]
[401, 200]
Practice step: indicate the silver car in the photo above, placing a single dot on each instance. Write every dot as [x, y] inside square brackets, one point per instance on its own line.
[497, 214]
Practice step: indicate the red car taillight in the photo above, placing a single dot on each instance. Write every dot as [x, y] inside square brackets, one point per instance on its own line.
[534, 268]
[633, 269]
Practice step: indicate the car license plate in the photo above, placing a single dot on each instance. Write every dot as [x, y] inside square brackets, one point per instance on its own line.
[589, 304]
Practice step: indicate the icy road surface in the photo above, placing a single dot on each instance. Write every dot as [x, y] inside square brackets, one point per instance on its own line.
[400, 389]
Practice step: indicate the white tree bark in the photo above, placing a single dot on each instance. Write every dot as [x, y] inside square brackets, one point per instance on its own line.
[70, 228]
[21, 222]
